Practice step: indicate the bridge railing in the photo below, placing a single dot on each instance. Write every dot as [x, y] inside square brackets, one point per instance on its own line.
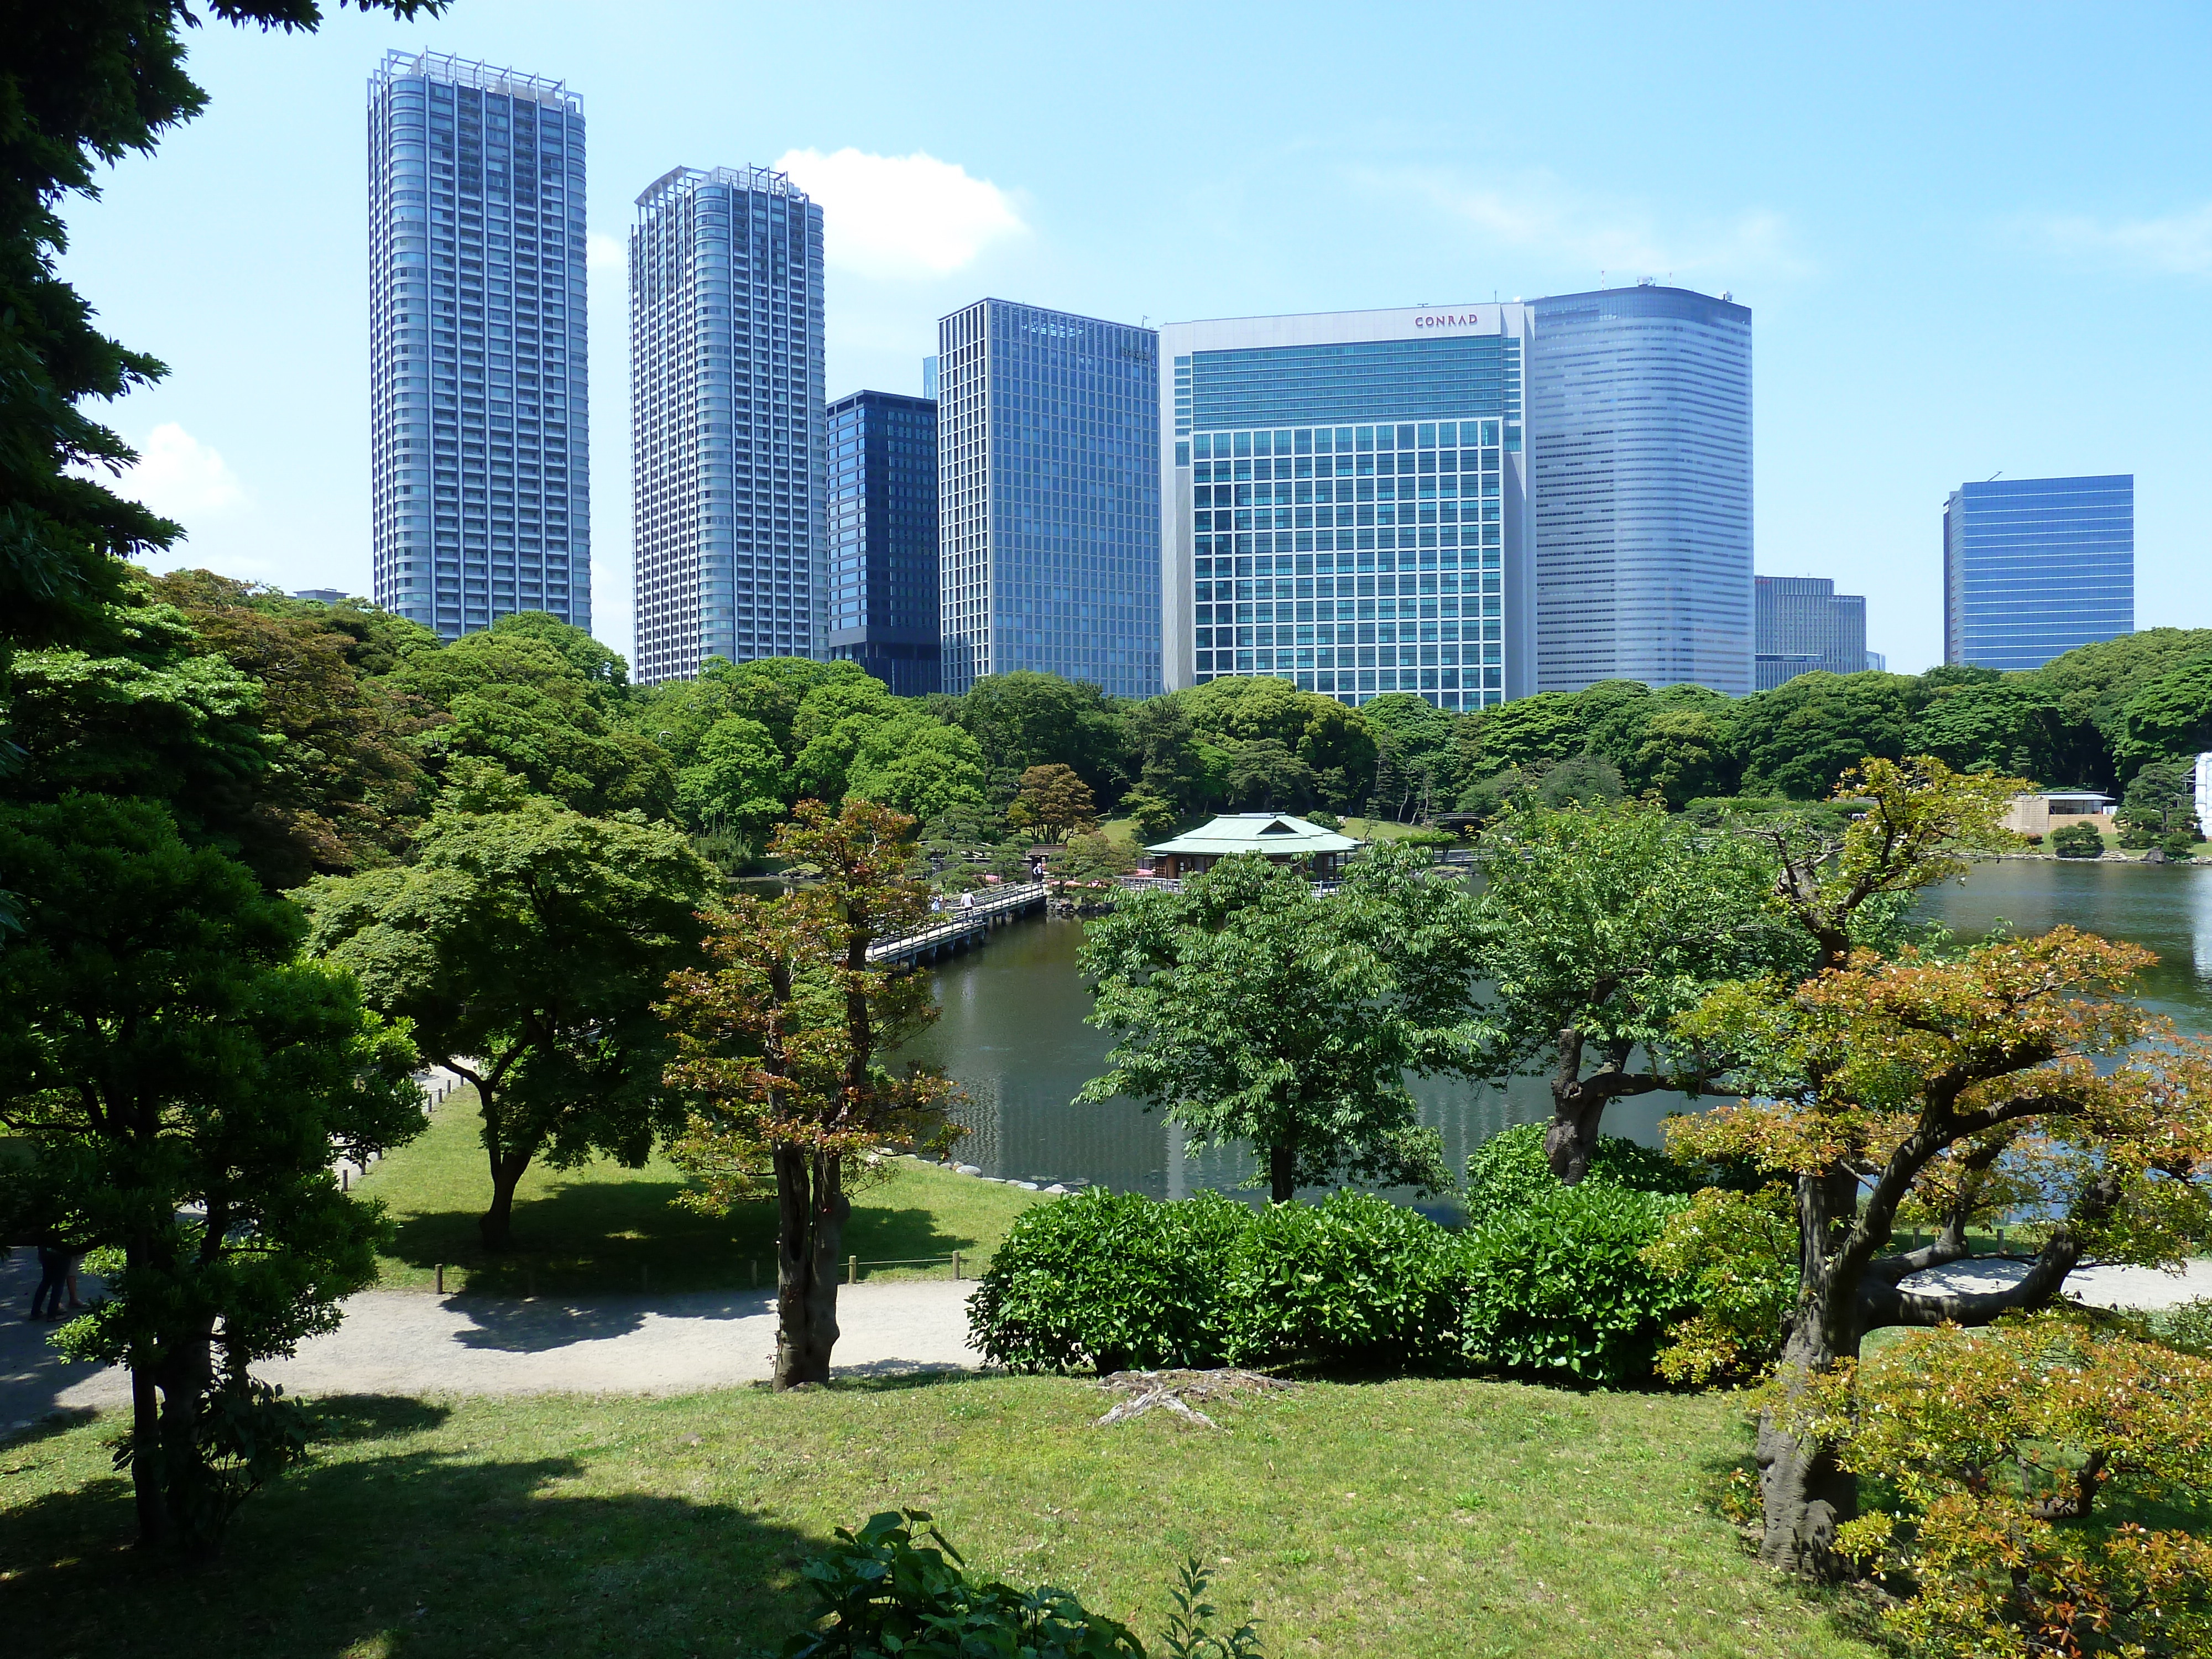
[952, 921]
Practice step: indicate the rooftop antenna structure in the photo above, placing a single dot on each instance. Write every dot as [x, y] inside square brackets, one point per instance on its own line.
[1995, 476]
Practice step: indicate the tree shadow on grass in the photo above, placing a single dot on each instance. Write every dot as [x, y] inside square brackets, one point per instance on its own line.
[423, 1550]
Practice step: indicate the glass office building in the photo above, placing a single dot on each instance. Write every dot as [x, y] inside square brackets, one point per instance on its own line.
[1639, 438]
[478, 400]
[1343, 502]
[726, 453]
[882, 537]
[1804, 626]
[2035, 567]
[1048, 530]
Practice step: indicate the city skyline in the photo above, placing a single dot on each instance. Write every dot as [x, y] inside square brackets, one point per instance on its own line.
[2001, 211]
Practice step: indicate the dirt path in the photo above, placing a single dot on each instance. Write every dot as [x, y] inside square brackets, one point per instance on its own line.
[413, 1343]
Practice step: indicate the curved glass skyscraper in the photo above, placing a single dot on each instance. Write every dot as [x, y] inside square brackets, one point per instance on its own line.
[1639, 437]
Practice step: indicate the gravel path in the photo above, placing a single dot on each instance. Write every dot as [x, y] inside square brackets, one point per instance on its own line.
[413, 1343]
[2100, 1287]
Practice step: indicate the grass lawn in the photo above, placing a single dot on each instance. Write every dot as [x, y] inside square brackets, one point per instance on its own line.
[1405, 1518]
[598, 1227]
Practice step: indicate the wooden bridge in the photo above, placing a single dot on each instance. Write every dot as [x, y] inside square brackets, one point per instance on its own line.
[955, 929]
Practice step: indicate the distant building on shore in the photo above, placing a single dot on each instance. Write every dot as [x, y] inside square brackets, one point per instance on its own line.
[1804, 627]
[2033, 567]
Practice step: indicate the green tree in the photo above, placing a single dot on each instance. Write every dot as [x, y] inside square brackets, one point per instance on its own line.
[1329, 738]
[2013, 723]
[778, 1056]
[2168, 719]
[1595, 931]
[2094, 682]
[1248, 1008]
[2077, 841]
[1162, 751]
[81, 85]
[737, 779]
[1022, 719]
[1413, 755]
[1798, 739]
[180, 1082]
[916, 764]
[1152, 816]
[1684, 749]
[1524, 735]
[528, 947]
[1580, 780]
[1054, 801]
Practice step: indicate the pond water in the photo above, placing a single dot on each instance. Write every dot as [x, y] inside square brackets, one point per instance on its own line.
[1012, 1031]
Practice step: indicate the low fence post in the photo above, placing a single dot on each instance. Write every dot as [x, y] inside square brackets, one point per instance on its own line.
[441, 1279]
[956, 1266]
[852, 1270]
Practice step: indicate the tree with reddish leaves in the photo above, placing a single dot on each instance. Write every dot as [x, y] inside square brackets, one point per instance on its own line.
[779, 1044]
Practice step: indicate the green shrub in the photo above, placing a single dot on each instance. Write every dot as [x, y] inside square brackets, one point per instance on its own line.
[1507, 1171]
[2077, 841]
[1113, 1280]
[2189, 1328]
[2181, 844]
[1355, 1277]
[1559, 1287]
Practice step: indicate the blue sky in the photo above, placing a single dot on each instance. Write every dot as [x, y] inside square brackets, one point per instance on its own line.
[1974, 239]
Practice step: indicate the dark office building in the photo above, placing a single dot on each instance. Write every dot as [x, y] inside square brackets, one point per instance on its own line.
[882, 539]
[1801, 625]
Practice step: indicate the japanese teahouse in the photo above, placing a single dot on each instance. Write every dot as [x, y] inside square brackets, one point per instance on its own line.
[1282, 839]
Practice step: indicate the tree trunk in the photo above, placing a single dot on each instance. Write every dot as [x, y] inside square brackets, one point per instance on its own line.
[146, 1453]
[1805, 1497]
[508, 1163]
[1571, 1136]
[810, 1211]
[1282, 1174]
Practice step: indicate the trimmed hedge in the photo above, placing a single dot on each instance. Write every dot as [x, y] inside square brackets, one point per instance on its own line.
[1559, 1287]
[1355, 1279]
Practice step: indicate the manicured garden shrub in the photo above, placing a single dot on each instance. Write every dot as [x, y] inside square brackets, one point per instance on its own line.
[1354, 1278]
[1559, 1287]
[1507, 1171]
[1113, 1280]
[2077, 841]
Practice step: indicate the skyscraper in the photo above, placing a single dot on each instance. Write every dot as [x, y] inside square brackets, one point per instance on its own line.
[1805, 626]
[1639, 436]
[1048, 531]
[882, 537]
[480, 459]
[2035, 567]
[1344, 502]
[726, 420]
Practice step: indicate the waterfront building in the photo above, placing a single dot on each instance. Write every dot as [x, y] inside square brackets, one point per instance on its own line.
[479, 397]
[1639, 439]
[2034, 566]
[1805, 626]
[1343, 502]
[1047, 497]
[882, 537]
[726, 440]
[1279, 837]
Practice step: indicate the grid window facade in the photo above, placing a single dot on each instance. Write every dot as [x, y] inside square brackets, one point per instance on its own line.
[727, 436]
[1805, 627]
[882, 537]
[1048, 498]
[2033, 567]
[479, 401]
[1352, 560]
[1639, 424]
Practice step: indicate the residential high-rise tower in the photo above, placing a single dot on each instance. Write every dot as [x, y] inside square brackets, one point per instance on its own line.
[1639, 438]
[2035, 567]
[1343, 502]
[726, 454]
[882, 537]
[478, 398]
[1048, 531]
[1804, 627]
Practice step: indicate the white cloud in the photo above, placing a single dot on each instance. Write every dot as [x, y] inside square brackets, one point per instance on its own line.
[604, 252]
[179, 476]
[901, 216]
[1619, 239]
[2179, 242]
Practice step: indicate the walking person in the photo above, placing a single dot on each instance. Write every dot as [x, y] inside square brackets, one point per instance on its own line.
[53, 1273]
[76, 1302]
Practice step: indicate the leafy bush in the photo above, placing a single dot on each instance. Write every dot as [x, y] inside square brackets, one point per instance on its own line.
[1354, 1278]
[2181, 844]
[883, 1593]
[1113, 1280]
[2189, 1328]
[1560, 1286]
[1507, 1171]
[2077, 841]
[1738, 1253]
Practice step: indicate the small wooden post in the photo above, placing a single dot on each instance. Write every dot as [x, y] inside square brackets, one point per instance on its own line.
[852, 1270]
[345, 1179]
[956, 1266]
[441, 1279]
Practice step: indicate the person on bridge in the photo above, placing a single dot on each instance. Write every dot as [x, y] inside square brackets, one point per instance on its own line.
[968, 901]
